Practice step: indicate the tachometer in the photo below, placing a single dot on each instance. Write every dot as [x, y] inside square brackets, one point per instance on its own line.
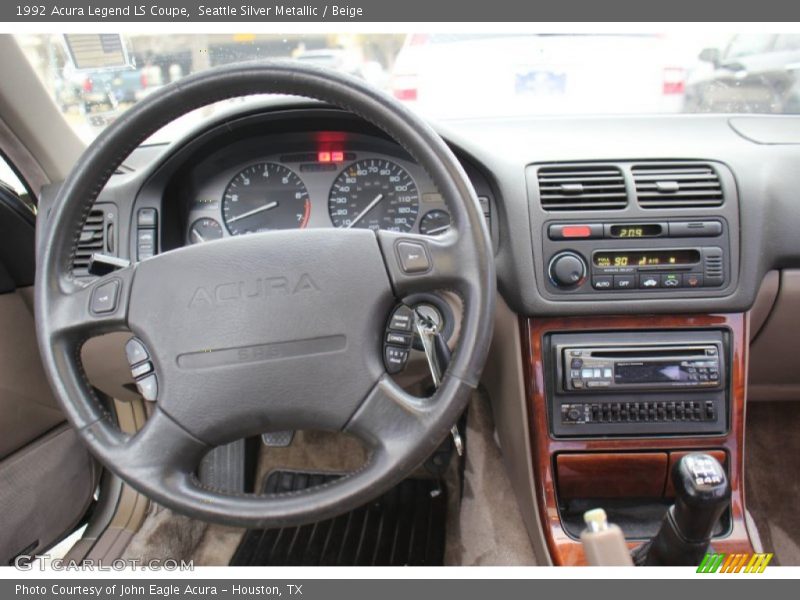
[263, 197]
[376, 194]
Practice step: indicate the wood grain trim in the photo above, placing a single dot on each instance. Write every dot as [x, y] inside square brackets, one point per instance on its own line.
[611, 474]
[565, 550]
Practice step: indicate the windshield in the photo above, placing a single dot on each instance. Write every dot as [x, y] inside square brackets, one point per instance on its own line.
[452, 76]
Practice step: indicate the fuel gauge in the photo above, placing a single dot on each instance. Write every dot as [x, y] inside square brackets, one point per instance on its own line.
[204, 230]
[435, 222]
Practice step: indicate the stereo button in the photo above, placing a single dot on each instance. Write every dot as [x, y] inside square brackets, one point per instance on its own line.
[596, 384]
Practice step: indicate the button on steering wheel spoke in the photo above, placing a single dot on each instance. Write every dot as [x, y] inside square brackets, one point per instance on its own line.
[100, 307]
[418, 263]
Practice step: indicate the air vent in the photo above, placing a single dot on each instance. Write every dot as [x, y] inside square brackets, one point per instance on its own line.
[686, 185]
[93, 239]
[580, 187]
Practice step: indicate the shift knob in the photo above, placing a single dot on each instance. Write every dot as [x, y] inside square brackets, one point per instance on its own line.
[702, 493]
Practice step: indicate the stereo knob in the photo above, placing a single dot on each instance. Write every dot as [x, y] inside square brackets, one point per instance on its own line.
[567, 270]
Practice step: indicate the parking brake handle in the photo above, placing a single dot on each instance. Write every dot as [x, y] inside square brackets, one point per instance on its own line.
[604, 543]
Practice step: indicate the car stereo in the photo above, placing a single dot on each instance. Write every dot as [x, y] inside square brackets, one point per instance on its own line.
[635, 383]
[634, 367]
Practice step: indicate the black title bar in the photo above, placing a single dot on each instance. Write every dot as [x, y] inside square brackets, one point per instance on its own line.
[374, 11]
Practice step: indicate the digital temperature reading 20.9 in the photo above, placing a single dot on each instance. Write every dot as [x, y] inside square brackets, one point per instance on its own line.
[646, 259]
[636, 231]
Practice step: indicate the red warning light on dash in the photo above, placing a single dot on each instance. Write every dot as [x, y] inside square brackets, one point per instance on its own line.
[324, 156]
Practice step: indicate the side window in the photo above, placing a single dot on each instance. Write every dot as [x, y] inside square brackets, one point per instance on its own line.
[9, 177]
[749, 44]
[787, 42]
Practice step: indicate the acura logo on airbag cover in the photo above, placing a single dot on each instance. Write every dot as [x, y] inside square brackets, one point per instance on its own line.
[253, 289]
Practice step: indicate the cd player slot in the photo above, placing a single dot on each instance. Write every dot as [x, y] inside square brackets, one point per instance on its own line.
[649, 353]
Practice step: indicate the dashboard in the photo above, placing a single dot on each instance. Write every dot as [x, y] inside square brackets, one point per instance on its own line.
[645, 238]
[563, 245]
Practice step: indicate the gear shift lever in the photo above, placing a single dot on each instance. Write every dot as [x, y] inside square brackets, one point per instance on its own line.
[702, 493]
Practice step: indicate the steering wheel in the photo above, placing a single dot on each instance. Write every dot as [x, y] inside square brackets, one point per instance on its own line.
[265, 332]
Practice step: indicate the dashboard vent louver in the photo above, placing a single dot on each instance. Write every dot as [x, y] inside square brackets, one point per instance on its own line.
[582, 187]
[677, 185]
[92, 239]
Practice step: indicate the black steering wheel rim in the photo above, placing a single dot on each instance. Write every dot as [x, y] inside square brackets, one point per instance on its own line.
[400, 430]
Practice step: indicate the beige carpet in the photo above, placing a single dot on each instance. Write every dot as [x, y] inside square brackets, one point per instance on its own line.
[772, 476]
[490, 527]
[483, 528]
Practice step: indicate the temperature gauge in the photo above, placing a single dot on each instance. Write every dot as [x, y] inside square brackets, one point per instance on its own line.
[204, 230]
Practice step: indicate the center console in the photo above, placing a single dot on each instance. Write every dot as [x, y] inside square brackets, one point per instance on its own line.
[614, 402]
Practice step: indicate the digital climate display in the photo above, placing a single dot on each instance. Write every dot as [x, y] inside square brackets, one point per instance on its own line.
[647, 258]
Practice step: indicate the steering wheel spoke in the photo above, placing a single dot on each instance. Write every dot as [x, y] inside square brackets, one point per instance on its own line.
[99, 307]
[419, 263]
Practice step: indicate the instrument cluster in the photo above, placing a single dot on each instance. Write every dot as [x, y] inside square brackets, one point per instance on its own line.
[325, 181]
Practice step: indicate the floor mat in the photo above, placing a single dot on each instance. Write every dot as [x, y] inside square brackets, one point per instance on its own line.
[405, 526]
[772, 486]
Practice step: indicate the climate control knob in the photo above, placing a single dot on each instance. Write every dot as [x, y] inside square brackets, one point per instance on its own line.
[567, 270]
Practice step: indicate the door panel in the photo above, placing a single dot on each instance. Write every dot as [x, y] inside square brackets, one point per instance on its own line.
[47, 477]
[27, 407]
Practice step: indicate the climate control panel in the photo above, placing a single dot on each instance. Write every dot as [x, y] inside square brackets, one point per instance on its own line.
[651, 257]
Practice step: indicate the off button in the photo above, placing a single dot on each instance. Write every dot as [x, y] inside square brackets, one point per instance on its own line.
[624, 282]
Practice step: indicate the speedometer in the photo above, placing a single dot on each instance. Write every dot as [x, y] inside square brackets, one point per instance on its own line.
[374, 194]
[263, 197]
